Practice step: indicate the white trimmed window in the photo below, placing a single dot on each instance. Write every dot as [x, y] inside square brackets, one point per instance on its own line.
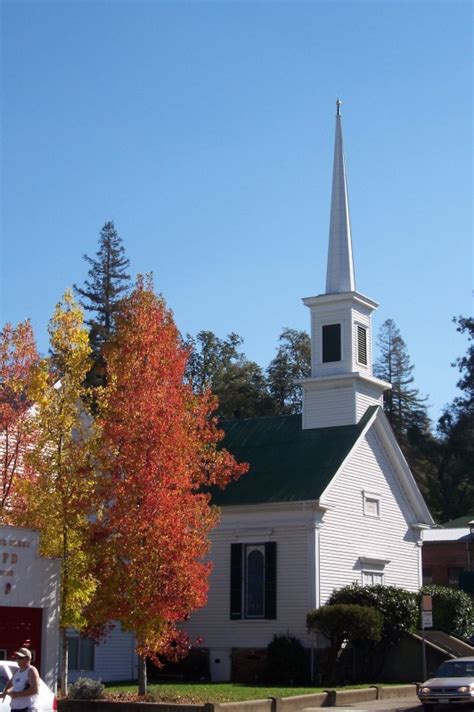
[253, 580]
[372, 578]
[81, 652]
[371, 504]
[372, 569]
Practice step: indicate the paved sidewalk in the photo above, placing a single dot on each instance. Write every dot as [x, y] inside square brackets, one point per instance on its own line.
[402, 704]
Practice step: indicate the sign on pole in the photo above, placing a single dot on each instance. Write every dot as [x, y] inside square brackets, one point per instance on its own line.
[426, 619]
[426, 602]
[426, 622]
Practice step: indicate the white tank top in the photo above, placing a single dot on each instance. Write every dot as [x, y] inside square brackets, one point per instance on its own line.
[19, 682]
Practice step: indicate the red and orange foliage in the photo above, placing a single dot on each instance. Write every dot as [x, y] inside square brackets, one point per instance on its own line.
[18, 362]
[159, 450]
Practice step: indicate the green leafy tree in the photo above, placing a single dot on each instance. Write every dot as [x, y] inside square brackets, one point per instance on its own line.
[291, 363]
[453, 611]
[397, 606]
[344, 622]
[107, 284]
[453, 491]
[219, 365]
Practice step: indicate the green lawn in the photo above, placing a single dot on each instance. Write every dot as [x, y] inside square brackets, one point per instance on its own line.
[199, 693]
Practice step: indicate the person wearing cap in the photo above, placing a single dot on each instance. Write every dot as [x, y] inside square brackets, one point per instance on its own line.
[23, 687]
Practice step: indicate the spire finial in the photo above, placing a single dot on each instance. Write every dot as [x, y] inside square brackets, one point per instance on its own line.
[340, 269]
[338, 107]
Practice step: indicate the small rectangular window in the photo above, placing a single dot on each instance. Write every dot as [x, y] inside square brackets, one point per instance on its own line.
[331, 343]
[372, 578]
[371, 505]
[427, 576]
[73, 653]
[362, 345]
[80, 653]
[453, 576]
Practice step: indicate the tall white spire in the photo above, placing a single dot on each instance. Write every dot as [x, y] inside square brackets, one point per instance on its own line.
[340, 270]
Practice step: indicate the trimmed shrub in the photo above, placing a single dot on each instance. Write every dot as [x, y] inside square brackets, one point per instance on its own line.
[286, 660]
[86, 689]
[344, 622]
[452, 610]
[398, 607]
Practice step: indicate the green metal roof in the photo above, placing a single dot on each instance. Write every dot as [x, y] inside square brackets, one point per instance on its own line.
[460, 522]
[287, 463]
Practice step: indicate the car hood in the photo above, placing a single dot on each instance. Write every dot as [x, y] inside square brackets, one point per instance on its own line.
[449, 681]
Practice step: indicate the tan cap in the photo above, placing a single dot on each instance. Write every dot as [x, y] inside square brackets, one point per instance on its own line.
[22, 653]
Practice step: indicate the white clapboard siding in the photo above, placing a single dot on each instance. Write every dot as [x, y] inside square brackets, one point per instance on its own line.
[213, 624]
[365, 396]
[327, 407]
[347, 534]
[114, 659]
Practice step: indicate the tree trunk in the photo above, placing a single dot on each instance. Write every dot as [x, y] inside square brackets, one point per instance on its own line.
[142, 681]
[64, 662]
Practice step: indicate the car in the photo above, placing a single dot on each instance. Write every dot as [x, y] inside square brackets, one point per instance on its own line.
[46, 699]
[452, 683]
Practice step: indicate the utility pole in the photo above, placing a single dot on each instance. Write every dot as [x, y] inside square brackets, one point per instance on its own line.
[426, 622]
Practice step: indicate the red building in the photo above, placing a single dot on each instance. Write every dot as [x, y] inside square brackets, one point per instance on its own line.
[448, 554]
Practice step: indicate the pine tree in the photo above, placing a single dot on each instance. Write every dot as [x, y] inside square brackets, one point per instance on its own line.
[403, 405]
[454, 487]
[108, 284]
[405, 408]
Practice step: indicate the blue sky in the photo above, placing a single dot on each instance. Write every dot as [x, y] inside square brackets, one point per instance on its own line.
[205, 131]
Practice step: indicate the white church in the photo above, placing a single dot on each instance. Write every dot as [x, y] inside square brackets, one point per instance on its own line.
[328, 499]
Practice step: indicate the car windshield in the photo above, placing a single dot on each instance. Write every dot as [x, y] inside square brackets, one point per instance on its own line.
[462, 668]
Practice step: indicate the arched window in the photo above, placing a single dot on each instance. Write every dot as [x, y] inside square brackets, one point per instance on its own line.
[255, 579]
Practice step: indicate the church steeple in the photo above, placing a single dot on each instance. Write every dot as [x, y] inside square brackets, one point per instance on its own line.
[342, 385]
[340, 268]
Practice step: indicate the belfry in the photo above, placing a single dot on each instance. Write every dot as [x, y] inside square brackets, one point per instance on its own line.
[342, 385]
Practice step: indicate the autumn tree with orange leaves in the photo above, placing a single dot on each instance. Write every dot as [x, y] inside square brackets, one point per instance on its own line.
[159, 449]
[18, 362]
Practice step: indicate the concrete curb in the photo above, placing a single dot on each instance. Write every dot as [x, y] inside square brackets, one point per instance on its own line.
[396, 692]
[298, 703]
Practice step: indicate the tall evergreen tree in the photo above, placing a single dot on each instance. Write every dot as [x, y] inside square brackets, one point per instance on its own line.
[403, 405]
[405, 408]
[291, 363]
[103, 291]
[454, 488]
